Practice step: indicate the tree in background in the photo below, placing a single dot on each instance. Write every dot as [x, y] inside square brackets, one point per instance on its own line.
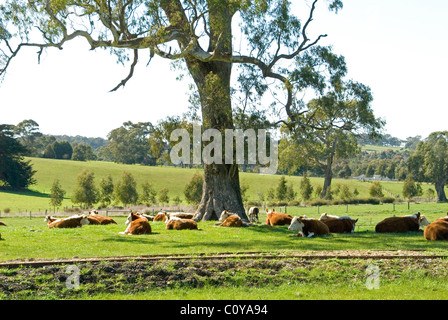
[83, 152]
[126, 189]
[15, 172]
[411, 189]
[164, 198]
[58, 150]
[56, 194]
[28, 133]
[130, 143]
[429, 162]
[306, 189]
[202, 35]
[281, 190]
[193, 189]
[376, 190]
[341, 111]
[85, 191]
[106, 190]
[148, 194]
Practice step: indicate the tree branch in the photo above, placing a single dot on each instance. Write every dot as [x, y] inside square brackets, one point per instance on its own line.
[131, 72]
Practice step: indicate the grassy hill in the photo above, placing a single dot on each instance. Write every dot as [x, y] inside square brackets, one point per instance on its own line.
[161, 177]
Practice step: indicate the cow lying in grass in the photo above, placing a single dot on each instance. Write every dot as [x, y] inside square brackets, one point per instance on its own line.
[137, 224]
[175, 223]
[308, 227]
[228, 219]
[70, 222]
[402, 224]
[437, 230]
[93, 215]
[278, 218]
[338, 224]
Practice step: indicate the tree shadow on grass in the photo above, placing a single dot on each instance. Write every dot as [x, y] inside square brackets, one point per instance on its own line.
[29, 193]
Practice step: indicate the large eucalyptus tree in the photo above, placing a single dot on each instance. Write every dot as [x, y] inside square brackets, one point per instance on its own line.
[201, 34]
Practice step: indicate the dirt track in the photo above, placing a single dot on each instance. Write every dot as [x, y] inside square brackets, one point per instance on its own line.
[339, 254]
[47, 279]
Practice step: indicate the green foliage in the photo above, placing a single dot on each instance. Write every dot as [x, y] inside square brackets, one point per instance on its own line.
[163, 196]
[306, 189]
[106, 190]
[83, 152]
[56, 194]
[85, 191]
[193, 189]
[376, 190]
[281, 190]
[15, 172]
[125, 189]
[58, 150]
[148, 194]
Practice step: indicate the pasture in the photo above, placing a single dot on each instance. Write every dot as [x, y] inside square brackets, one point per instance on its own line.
[29, 239]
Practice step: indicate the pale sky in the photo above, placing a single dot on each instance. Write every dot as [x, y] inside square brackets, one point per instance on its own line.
[399, 48]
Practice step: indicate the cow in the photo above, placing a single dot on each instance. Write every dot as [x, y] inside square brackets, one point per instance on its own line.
[70, 222]
[93, 215]
[175, 223]
[308, 227]
[253, 214]
[161, 216]
[136, 225]
[2, 224]
[437, 230]
[341, 225]
[182, 215]
[325, 216]
[278, 218]
[400, 224]
[49, 219]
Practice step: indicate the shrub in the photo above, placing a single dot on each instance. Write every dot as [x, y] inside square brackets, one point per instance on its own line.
[387, 199]
[320, 202]
[7, 210]
[294, 203]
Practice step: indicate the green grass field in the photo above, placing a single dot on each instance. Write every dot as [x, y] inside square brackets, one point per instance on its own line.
[37, 199]
[30, 238]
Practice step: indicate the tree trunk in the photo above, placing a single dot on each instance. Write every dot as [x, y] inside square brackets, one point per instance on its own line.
[328, 170]
[221, 187]
[440, 189]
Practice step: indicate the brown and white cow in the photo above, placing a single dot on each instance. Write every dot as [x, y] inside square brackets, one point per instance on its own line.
[161, 216]
[93, 215]
[308, 227]
[136, 225]
[341, 225]
[70, 222]
[326, 216]
[437, 230]
[182, 215]
[175, 223]
[228, 219]
[278, 218]
[401, 224]
[253, 214]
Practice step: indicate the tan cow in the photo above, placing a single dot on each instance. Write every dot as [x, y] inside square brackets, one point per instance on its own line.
[278, 218]
[93, 215]
[70, 222]
[437, 230]
[308, 227]
[175, 223]
[136, 225]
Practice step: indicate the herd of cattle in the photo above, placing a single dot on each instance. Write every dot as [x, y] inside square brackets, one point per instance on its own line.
[138, 223]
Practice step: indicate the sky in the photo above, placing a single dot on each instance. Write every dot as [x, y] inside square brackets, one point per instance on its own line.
[399, 48]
